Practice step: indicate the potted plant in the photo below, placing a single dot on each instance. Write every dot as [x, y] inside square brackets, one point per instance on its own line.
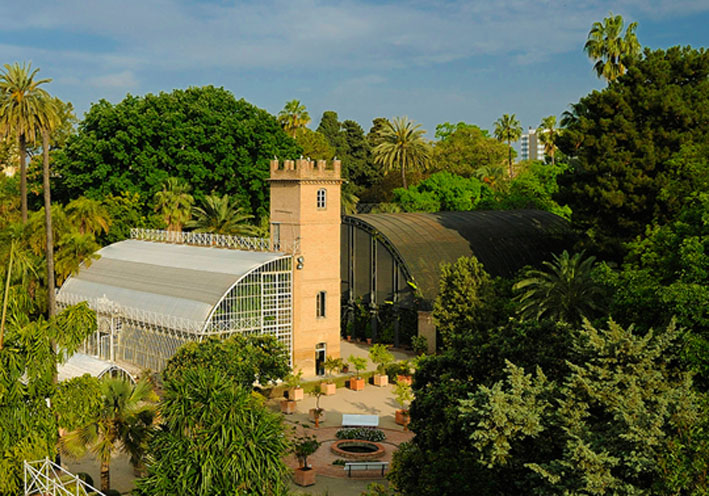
[304, 446]
[404, 395]
[293, 393]
[317, 413]
[406, 368]
[332, 366]
[360, 364]
[381, 357]
[294, 381]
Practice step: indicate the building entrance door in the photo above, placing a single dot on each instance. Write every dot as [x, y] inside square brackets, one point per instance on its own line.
[320, 357]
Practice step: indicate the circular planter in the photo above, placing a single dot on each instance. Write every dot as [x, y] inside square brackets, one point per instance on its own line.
[357, 449]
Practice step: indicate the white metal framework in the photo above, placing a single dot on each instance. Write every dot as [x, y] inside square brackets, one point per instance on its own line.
[44, 477]
[228, 292]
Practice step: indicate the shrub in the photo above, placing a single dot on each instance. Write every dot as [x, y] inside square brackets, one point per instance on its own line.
[364, 433]
[419, 344]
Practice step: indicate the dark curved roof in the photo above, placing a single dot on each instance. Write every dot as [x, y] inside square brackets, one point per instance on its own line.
[502, 240]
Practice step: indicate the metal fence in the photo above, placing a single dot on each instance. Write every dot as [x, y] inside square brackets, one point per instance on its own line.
[45, 478]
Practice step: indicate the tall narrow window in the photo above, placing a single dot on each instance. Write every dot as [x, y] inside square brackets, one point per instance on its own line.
[276, 235]
[320, 304]
[322, 198]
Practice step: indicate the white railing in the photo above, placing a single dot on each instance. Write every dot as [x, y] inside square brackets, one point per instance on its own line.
[153, 319]
[202, 239]
[44, 477]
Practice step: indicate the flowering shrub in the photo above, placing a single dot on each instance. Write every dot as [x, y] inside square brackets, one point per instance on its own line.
[364, 433]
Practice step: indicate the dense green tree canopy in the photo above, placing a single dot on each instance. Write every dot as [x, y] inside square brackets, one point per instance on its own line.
[201, 135]
[353, 148]
[466, 149]
[244, 359]
[623, 420]
[314, 144]
[534, 187]
[666, 275]
[442, 191]
[623, 142]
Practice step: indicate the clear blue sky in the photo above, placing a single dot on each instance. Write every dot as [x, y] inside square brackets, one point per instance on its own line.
[439, 61]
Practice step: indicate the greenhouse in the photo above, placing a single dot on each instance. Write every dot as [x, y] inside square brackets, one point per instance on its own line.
[159, 290]
[397, 257]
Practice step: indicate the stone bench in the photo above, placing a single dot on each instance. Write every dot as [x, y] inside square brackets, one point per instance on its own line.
[350, 466]
[350, 420]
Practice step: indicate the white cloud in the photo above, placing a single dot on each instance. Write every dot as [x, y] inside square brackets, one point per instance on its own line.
[345, 34]
[125, 80]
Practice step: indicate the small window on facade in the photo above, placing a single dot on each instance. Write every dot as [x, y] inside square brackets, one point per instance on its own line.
[322, 198]
[320, 304]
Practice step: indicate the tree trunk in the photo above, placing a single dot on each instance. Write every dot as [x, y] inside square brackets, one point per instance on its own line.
[509, 151]
[5, 296]
[23, 176]
[51, 294]
[105, 476]
[403, 176]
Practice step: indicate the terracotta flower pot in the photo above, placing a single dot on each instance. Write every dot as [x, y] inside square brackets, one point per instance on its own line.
[380, 380]
[329, 388]
[356, 384]
[288, 406]
[296, 394]
[304, 476]
[406, 379]
[402, 418]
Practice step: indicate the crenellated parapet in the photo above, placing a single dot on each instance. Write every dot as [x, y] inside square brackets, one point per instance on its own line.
[305, 169]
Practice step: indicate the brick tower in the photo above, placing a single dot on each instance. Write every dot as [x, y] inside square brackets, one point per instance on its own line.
[305, 221]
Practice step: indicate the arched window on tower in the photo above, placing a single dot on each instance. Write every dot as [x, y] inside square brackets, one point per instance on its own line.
[322, 198]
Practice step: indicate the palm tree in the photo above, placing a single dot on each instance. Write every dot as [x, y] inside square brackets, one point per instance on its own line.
[548, 135]
[348, 200]
[22, 105]
[89, 216]
[123, 423]
[564, 291]
[174, 202]
[402, 145]
[50, 121]
[221, 215]
[294, 116]
[493, 175]
[507, 128]
[608, 47]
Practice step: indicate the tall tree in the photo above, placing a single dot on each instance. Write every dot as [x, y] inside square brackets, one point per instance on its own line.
[402, 146]
[221, 215]
[549, 134]
[294, 116]
[330, 128]
[203, 136]
[608, 46]
[22, 104]
[174, 203]
[122, 423]
[465, 149]
[507, 128]
[626, 143]
[48, 121]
